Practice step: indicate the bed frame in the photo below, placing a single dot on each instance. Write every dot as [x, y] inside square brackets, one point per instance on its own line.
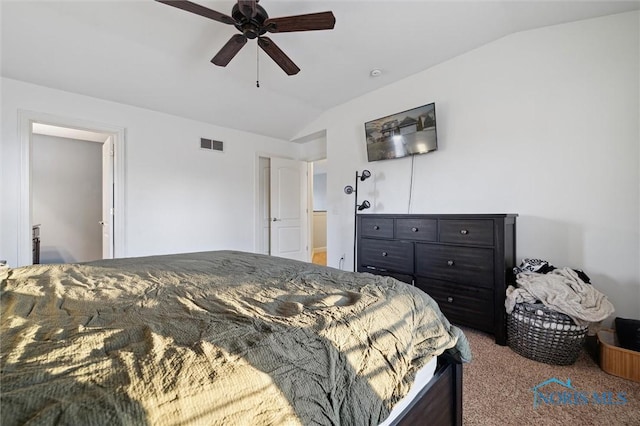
[440, 401]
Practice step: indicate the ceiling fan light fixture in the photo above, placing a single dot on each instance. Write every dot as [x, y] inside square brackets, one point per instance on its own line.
[253, 22]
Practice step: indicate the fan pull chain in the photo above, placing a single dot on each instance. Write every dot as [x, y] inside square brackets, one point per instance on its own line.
[257, 66]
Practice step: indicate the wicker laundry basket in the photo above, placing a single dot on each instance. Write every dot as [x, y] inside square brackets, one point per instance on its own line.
[542, 334]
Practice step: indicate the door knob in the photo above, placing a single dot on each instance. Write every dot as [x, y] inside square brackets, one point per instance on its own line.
[275, 219]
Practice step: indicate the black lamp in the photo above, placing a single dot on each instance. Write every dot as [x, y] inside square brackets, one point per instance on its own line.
[365, 205]
[366, 174]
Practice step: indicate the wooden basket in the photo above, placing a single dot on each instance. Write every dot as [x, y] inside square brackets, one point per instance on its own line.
[615, 360]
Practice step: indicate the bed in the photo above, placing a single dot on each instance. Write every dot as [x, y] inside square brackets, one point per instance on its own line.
[224, 337]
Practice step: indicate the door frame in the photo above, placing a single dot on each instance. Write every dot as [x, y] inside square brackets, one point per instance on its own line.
[25, 217]
[262, 203]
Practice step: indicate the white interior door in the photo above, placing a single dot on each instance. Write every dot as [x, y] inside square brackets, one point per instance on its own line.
[107, 198]
[289, 209]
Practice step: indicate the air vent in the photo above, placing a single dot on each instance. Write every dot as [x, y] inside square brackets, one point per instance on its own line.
[211, 144]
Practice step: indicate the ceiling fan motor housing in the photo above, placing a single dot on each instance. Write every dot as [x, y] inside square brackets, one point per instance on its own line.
[250, 27]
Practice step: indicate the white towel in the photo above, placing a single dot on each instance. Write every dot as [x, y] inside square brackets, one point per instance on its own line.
[563, 291]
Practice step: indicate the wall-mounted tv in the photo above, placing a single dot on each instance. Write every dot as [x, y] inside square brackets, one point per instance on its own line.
[405, 133]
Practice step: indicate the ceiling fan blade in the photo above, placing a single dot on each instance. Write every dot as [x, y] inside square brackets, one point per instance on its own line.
[199, 10]
[309, 22]
[248, 8]
[278, 56]
[229, 50]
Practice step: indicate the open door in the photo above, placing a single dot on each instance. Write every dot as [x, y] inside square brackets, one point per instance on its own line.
[107, 198]
[288, 195]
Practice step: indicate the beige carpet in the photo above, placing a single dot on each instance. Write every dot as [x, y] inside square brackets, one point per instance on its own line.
[498, 390]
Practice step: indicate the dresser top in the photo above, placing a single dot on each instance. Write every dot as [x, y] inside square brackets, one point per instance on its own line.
[441, 215]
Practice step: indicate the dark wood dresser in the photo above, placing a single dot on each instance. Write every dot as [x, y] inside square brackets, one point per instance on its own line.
[463, 261]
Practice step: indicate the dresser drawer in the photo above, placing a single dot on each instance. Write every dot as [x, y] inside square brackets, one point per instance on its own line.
[417, 229]
[461, 304]
[400, 277]
[473, 232]
[376, 227]
[385, 255]
[469, 265]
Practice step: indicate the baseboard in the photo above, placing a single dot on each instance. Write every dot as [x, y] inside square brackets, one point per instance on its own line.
[318, 250]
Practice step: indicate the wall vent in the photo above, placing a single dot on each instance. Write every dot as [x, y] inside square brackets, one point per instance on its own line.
[211, 144]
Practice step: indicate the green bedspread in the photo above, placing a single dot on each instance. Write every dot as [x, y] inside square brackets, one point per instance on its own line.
[226, 338]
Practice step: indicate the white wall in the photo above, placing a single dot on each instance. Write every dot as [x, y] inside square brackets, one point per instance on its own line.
[543, 123]
[312, 147]
[319, 191]
[66, 190]
[178, 198]
[319, 230]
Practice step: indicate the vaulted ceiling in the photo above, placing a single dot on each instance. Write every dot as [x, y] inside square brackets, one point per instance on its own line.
[147, 54]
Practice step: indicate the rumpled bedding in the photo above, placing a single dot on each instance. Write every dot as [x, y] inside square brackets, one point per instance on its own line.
[216, 338]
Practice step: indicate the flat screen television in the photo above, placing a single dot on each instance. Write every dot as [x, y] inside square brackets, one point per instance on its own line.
[399, 135]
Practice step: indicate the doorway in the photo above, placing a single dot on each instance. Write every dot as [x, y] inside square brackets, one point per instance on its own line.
[60, 152]
[319, 208]
[66, 196]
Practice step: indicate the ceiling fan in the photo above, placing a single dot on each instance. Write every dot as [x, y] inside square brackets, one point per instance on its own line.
[253, 22]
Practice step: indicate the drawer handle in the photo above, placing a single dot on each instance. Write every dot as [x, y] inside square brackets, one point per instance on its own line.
[450, 262]
[376, 227]
[384, 253]
[450, 299]
[464, 231]
[414, 229]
